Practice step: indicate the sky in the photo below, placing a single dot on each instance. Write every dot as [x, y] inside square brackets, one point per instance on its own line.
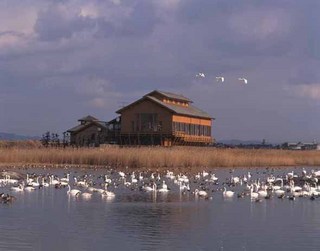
[63, 59]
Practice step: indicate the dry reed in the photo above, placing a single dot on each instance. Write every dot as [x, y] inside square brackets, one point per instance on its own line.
[157, 157]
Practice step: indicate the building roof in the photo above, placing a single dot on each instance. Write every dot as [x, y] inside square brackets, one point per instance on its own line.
[189, 110]
[170, 95]
[88, 118]
[76, 128]
[79, 128]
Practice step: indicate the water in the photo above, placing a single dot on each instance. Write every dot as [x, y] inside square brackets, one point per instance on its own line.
[48, 219]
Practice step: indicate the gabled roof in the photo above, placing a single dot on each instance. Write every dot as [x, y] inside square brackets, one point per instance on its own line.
[189, 110]
[79, 128]
[88, 118]
[76, 128]
[170, 95]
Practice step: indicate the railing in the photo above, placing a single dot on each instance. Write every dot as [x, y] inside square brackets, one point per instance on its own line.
[192, 138]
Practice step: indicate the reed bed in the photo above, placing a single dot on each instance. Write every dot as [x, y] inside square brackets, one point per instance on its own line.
[158, 157]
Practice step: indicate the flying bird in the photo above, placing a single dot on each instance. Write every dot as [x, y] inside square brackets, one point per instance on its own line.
[200, 75]
[244, 80]
[220, 79]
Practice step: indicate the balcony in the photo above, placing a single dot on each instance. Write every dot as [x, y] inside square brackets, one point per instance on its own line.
[192, 138]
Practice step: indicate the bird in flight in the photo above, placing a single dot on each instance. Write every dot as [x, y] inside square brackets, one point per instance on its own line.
[220, 79]
[244, 80]
[200, 75]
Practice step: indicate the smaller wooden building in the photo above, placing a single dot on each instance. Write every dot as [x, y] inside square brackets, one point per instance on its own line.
[89, 132]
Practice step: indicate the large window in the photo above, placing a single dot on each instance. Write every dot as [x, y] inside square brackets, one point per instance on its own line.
[192, 129]
[147, 122]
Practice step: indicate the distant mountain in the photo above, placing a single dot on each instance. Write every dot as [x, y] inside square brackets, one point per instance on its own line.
[12, 136]
[240, 142]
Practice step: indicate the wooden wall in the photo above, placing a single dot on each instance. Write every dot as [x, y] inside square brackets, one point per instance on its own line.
[89, 136]
[146, 106]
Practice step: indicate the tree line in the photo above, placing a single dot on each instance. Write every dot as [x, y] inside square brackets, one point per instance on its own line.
[53, 139]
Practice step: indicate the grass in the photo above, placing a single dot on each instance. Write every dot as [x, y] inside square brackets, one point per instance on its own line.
[154, 157]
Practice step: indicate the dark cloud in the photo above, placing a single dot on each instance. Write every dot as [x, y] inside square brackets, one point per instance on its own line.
[55, 23]
[142, 20]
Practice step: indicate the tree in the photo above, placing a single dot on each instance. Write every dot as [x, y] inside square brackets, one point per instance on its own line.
[50, 139]
[45, 139]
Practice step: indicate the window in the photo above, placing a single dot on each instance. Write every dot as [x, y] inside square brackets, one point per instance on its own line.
[187, 128]
[197, 132]
[183, 127]
[148, 121]
[192, 129]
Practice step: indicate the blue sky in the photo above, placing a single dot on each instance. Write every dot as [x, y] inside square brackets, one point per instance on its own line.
[61, 60]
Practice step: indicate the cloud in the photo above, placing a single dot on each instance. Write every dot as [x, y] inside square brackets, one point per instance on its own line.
[310, 91]
[97, 103]
[60, 21]
[9, 38]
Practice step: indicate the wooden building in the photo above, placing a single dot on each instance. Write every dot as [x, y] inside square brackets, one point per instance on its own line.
[89, 132]
[163, 118]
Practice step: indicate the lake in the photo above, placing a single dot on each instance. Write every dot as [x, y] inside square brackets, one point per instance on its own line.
[49, 219]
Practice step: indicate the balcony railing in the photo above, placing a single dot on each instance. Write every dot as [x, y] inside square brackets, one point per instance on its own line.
[192, 138]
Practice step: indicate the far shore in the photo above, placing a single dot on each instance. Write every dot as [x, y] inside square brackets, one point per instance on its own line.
[152, 158]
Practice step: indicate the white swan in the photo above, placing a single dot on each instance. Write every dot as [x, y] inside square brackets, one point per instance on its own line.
[133, 178]
[200, 75]
[149, 188]
[80, 183]
[66, 179]
[11, 181]
[43, 183]
[263, 193]
[204, 174]
[28, 188]
[107, 179]
[235, 180]
[73, 192]
[164, 188]
[253, 195]
[107, 193]
[86, 195]
[200, 193]
[226, 193]
[244, 80]
[121, 174]
[53, 181]
[213, 178]
[140, 177]
[17, 189]
[29, 180]
[220, 79]
[36, 183]
[279, 192]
